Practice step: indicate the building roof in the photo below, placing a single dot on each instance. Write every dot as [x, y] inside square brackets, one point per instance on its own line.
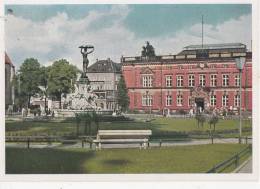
[216, 46]
[8, 60]
[223, 52]
[104, 66]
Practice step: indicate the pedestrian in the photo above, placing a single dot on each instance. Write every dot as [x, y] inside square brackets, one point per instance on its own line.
[23, 112]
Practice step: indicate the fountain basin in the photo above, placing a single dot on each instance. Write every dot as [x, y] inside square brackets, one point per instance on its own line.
[71, 113]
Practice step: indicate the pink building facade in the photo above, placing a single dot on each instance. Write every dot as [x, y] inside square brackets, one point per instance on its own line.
[184, 82]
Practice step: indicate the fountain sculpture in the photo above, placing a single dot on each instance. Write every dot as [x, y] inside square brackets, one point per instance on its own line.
[83, 97]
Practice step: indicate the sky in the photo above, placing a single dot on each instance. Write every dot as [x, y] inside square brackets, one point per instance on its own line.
[53, 32]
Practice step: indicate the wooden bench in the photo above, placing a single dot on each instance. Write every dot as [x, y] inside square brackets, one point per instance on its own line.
[123, 136]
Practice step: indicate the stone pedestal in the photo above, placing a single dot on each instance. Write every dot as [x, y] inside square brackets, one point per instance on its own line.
[83, 98]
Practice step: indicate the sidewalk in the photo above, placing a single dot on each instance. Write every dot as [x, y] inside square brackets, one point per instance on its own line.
[152, 144]
[246, 167]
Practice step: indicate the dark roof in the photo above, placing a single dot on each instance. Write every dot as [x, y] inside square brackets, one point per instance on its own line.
[104, 66]
[8, 60]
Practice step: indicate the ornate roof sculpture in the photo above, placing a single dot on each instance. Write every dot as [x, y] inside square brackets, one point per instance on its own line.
[148, 50]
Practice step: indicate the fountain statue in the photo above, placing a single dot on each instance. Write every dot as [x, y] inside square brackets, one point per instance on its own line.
[83, 97]
[85, 50]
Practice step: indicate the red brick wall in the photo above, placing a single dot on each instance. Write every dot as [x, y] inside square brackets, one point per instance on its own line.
[133, 77]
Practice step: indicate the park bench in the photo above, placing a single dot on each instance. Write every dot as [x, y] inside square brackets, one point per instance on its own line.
[122, 136]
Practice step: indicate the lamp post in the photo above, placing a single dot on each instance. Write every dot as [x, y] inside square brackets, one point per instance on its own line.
[240, 61]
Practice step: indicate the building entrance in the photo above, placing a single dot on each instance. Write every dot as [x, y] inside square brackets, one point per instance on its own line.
[199, 103]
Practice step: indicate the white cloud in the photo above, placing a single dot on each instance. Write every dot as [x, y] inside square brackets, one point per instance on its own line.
[60, 36]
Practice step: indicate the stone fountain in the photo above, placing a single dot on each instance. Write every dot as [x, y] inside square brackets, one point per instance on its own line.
[83, 98]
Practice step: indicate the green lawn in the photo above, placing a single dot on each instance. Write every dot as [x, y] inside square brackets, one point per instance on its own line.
[179, 159]
[162, 127]
[179, 124]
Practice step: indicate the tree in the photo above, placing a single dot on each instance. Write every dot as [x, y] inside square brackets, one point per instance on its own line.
[213, 121]
[27, 80]
[123, 98]
[43, 81]
[60, 78]
[78, 120]
[197, 117]
[21, 99]
[87, 123]
[200, 119]
[96, 119]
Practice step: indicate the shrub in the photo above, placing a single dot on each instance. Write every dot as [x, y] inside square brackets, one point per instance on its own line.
[182, 112]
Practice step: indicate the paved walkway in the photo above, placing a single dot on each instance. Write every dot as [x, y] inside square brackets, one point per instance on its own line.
[152, 144]
[246, 167]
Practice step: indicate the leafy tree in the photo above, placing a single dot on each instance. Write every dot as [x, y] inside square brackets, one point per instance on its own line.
[27, 80]
[59, 81]
[96, 119]
[213, 121]
[78, 120]
[123, 98]
[200, 119]
[87, 123]
[197, 117]
[20, 98]
[43, 82]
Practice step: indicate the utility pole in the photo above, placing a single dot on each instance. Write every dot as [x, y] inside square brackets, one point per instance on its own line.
[240, 62]
[202, 32]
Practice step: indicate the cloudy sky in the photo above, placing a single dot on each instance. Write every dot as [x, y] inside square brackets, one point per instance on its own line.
[52, 32]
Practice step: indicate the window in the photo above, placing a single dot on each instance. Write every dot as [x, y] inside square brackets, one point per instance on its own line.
[179, 80]
[213, 80]
[237, 80]
[191, 81]
[225, 80]
[225, 100]
[202, 80]
[147, 100]
[237, 100]
[190, 102]
[147, 81]
[225, 66]
[168, 100]
[213, 100]
[168, 81]
[179, 100]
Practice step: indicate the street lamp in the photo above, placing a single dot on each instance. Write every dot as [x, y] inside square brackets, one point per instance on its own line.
[240, 62]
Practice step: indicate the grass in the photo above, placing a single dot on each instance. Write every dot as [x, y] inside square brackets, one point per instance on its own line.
[178, 124]
[161, 127]
[179, 159]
